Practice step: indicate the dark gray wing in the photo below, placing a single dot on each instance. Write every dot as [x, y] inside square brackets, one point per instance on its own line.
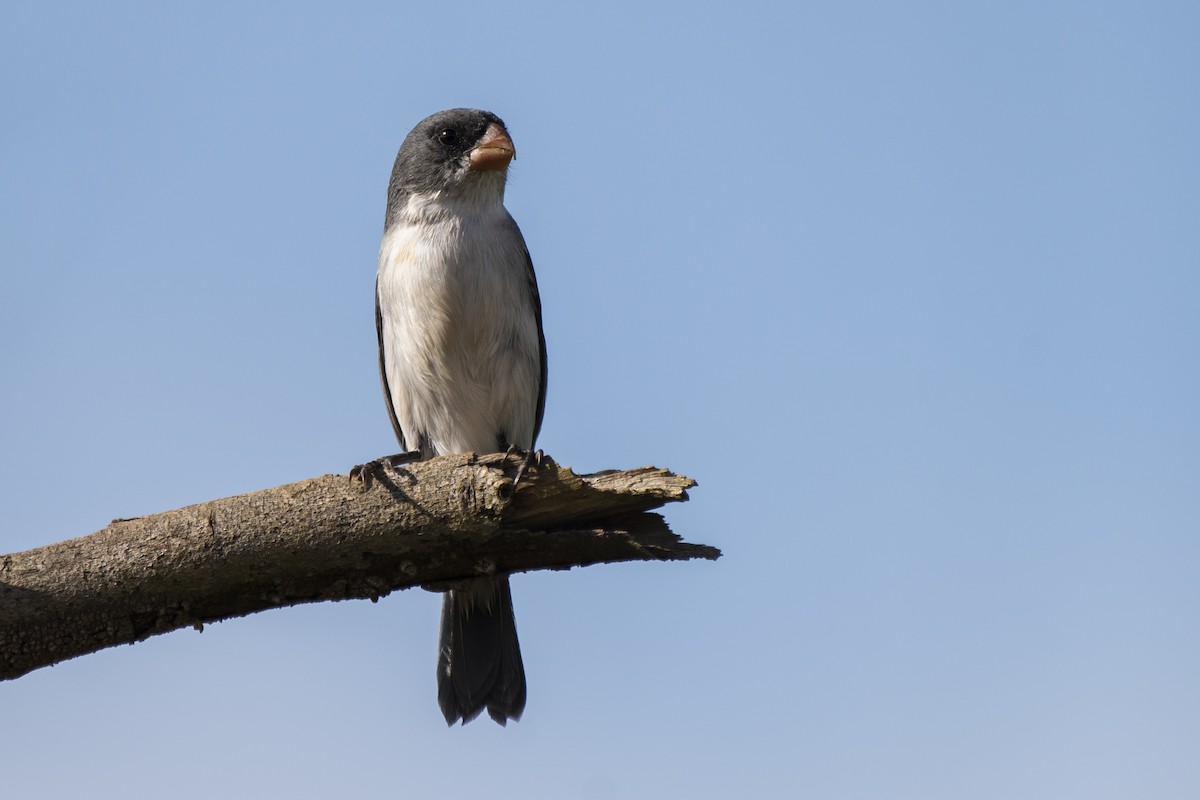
[537, 313]
[387, 392]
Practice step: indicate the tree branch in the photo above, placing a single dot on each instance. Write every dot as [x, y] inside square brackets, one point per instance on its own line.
[329, 538]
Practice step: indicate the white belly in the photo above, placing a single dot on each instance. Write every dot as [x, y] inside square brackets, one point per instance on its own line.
[460, 339]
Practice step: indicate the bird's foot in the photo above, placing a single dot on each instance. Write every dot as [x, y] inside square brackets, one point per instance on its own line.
[526, 459]
[374, 469]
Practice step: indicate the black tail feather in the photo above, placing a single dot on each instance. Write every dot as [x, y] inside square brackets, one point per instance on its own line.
[479, 657]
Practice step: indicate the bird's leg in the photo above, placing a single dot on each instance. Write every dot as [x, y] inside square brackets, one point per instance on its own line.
[527, 458]
[369, 471]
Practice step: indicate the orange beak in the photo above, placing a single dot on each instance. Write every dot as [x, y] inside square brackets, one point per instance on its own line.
[494, 150]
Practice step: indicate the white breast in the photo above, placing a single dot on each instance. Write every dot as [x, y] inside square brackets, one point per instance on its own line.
[460, 339]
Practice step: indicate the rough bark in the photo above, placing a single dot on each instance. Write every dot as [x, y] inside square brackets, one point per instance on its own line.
[328, 538]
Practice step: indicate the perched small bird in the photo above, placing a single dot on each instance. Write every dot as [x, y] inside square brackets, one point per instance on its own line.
[463, 361]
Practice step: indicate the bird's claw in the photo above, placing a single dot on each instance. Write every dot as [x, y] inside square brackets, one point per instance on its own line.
[527, 458]
[372, 470]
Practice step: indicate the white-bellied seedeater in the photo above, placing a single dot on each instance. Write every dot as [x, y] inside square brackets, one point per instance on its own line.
[463, 361]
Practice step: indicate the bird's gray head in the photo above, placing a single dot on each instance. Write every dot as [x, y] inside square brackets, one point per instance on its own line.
[462, 150]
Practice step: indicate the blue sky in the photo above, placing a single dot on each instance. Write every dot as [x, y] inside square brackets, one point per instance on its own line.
[913, 290]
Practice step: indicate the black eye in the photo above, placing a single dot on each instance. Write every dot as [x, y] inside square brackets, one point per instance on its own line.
[447, 137]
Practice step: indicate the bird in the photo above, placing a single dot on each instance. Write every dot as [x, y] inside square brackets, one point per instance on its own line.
[462, 360]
